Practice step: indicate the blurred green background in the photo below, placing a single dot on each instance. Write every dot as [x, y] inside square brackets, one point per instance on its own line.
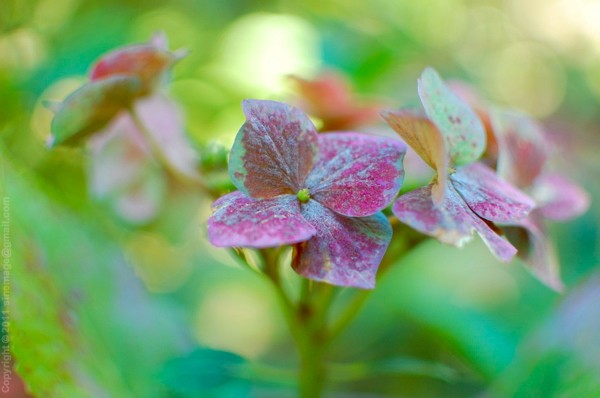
[103, 308]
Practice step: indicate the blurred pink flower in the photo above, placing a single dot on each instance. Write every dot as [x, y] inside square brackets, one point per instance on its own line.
[329, 98]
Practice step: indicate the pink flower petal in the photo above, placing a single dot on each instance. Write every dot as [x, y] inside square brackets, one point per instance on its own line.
[559, 198]
[346, 251]
[146, 61]
[239, 220]
[452, 222]
[118, 157]
[140, 202]
[538, 252]
[123, 173]
[461, 128]
[329, 97]
[162, 118]
[522, 146]
[273, 151]
[356, 174]
[489, 196]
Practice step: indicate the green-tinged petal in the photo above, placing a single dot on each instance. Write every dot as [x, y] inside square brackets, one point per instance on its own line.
[462, 130]
[92, 107]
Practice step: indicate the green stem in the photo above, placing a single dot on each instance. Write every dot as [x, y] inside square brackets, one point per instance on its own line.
[350, 312]
[405, 240]
[306, 322]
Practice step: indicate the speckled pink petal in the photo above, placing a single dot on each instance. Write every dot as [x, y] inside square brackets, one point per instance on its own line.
[356, 174]
[452, 222]
[522, 147]
[425, 139]
[537, 251]
[461, 128]
[489, 196]
[239, 220]
[559, 198]
[346, 251]
[273, 151]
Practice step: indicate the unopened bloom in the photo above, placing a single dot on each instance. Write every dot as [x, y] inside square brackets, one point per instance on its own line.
[322, 193]
[464, 195]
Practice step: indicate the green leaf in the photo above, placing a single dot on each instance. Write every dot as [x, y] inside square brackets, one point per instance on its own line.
[463, 132]
[206, 373]
[92, 107]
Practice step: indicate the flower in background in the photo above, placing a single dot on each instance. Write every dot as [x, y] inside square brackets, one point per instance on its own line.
[523, 155]
[323, 193]
[123, 166]
[465, 195]
[134, 129]
[329, 98]
[116, 81]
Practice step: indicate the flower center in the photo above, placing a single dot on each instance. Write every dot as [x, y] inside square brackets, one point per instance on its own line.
[303, 195]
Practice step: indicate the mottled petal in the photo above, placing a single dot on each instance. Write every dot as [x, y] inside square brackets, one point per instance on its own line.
[462, 130]
[559, 198]
[239, 220]
[469, 94]
[522, 147]
[356, 174]
[92, 107]
[425, 139]
[145, 61]
[162, 118]
[346, 251]
[273, 151]
[489, 196]
[538, 252]
[451, 223]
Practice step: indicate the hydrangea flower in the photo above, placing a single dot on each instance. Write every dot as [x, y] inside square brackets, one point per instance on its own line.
[124, 170]
[523, 149]
[116, 81]
[322, 193]
[465, 195]
[123, 167]
[329, 97]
